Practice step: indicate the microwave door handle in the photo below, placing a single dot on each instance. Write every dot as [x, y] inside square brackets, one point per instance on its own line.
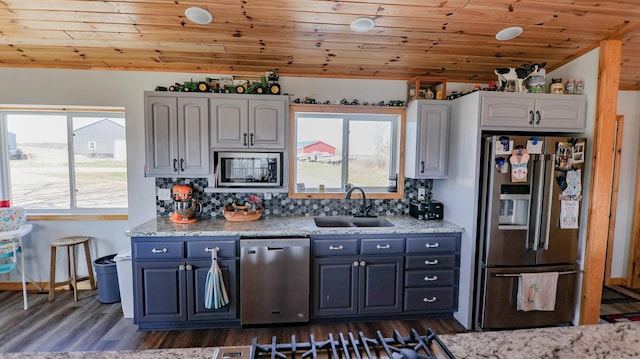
[537, 187]
[549, 165]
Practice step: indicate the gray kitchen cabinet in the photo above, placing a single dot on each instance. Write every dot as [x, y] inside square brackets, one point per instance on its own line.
[426, 142]
[533, 112]
[169, 282]
[349, 279]
[240, 123]
[432, 273]
[177, 135]
[400, 275]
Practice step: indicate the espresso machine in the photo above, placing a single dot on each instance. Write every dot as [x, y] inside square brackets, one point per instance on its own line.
[184, 206]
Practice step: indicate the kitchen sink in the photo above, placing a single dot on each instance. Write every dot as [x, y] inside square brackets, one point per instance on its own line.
[345, 221]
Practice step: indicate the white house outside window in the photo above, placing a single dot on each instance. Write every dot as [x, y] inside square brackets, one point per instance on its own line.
[47, 165]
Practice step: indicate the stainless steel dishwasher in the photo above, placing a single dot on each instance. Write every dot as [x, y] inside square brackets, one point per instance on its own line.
[274, 280]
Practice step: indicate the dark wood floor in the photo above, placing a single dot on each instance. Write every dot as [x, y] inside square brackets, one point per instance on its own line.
[88, 325]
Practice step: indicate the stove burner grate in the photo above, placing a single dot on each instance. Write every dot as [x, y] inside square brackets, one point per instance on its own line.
[350, 346]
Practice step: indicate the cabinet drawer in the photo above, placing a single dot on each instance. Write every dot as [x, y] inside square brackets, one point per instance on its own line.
[438, 261]
[429, 299]
[432, 244]
[337, 247]
[429, 278]
[382, 246]
[160, 250]
[202, 249]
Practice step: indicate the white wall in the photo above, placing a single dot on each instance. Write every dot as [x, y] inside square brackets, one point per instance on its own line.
[629, 107]
[125, 89]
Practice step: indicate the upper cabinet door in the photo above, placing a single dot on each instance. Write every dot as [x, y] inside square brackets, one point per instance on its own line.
[533, 112]
[267, 120]
[161, 130]
[427, 139]
[193, 136]
[229, 123]
[566, 113]
[500, 112]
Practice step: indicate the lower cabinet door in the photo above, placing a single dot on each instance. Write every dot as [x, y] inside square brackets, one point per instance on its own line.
[160, 291]
[196, 290]
[335, 287]
[380, 285]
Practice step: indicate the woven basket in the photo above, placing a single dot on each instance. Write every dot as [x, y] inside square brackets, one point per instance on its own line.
[241, 216]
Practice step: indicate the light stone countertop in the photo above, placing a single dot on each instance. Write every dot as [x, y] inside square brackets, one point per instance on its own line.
[619, 341]
[283, 226]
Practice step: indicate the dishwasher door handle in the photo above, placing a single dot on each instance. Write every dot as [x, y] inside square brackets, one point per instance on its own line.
[275, 248]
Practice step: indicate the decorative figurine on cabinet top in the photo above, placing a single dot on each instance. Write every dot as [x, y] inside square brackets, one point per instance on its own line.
[516, 75]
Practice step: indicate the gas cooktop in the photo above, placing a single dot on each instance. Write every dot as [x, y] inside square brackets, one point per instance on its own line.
[347, 346]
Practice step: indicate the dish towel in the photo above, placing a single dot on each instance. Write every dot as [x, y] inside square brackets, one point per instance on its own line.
[537, 291]
[215, 293]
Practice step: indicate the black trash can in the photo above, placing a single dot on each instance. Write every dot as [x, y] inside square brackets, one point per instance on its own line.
[107, 278]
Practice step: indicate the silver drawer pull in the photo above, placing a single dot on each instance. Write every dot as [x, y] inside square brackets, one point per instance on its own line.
[427, 300]
[430, 263]
[430, 279]
[386, 246]
[435, 245]
[163, 250]
[207, 249]
[336, 248]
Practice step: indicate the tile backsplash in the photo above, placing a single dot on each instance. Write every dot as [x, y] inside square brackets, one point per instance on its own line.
[280, 205]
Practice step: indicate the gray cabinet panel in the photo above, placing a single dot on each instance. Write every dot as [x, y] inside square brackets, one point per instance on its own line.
[267, 124]
[160, 293]
[337, 247]
[196, 281]
[430, 278]
[432, 244]
[383, 246]
[380, 285]
[177, 135]
[430, 299]
[427, 139]
[431, 262]
[229, 123]
[533, 112]
[335, 287]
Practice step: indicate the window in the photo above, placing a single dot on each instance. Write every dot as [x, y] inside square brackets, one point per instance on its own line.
[64, 160]
[337, 147]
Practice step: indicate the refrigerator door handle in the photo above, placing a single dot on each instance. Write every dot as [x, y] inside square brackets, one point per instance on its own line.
[551, 161]
[537, 187]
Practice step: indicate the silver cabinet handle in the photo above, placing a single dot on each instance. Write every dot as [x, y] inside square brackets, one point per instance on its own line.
[163, 250]
[386, 246]
[435, 245]
[181, 267]
[189, 267]
[427, 300]
[430, 263]
[355, 264]
[431, 279]
[363, 263]
[207, 249]
[336, 248]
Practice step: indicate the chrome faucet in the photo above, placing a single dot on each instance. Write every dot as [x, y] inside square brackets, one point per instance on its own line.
[364, 211]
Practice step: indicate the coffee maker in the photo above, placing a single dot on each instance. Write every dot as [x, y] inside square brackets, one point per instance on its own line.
[184, 206]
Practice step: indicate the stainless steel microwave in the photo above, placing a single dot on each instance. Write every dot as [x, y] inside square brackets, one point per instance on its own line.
[248, 169]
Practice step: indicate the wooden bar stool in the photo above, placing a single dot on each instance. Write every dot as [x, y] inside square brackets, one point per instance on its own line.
[70, 243]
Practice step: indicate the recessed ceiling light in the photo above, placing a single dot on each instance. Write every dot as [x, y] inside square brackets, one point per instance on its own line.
[509, 33]
[198, 15]
[362, 24]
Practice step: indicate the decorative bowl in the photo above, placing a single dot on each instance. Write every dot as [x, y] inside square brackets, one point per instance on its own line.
[11, 218]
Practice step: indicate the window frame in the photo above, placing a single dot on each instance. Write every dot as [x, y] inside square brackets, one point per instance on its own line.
[69, 112]
[399, 140]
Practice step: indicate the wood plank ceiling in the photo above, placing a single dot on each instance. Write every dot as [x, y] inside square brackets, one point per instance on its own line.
[453, 39]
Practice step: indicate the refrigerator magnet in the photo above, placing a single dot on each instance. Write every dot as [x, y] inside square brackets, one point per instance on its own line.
[503, 147]
[569, 211]
[518, 160]
[534, 146]
[578, 153]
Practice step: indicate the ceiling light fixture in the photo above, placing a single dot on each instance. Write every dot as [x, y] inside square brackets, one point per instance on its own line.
[362, 24]
[198, 15]
[509, 33]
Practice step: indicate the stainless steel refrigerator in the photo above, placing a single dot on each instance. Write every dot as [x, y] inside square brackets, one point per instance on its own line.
[529, 220]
